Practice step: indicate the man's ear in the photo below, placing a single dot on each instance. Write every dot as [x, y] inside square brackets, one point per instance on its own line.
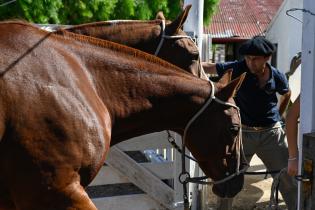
[178, 23]
[229, 91]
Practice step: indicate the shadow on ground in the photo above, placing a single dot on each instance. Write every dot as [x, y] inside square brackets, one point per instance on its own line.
[254, 196]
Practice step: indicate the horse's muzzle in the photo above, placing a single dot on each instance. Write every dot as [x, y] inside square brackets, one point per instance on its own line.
[229, 188]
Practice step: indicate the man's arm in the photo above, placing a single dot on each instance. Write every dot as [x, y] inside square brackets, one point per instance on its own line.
[209, 68]
[284, 101]
[292, 133]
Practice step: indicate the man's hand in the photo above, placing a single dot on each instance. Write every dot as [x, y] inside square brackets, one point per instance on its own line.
[209, 68]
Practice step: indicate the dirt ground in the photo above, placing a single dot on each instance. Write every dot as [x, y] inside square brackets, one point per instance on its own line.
[255, 194]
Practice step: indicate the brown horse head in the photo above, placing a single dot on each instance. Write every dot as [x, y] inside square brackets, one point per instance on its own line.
[66, 98]
[148, 36]
[218, 146]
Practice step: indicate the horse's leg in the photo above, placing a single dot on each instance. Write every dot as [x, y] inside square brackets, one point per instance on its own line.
[32, 189]
[78, 197]
[72, 197]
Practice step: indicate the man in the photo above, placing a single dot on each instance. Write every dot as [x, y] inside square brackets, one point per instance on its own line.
[261, 118]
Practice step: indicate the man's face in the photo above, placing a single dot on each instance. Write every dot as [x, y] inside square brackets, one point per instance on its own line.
[256, 64]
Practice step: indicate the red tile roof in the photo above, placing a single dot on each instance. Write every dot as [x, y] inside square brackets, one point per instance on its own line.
[242, 18]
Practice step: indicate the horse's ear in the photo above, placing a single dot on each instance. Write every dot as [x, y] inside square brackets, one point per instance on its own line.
[226, 78]
[230, 89]
[179, 21]
[160, 16]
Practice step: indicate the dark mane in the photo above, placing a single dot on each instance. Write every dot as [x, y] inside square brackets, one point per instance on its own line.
[116, 47]
[102, 43]
[15, 20]
[115, 22]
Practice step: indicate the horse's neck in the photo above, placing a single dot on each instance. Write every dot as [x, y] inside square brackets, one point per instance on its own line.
[142, 93]
[158, 102]
[136, 34]
[144, 96]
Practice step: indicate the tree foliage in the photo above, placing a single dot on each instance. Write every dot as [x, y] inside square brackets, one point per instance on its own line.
[209, 9]
[81, 11]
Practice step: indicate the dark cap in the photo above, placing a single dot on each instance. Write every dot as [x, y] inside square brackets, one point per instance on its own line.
[258, 45]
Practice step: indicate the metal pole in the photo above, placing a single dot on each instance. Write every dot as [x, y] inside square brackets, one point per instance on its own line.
[307, 117]
[194, 22]
[194, 25]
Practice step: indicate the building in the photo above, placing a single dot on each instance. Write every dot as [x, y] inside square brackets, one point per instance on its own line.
[237, 21]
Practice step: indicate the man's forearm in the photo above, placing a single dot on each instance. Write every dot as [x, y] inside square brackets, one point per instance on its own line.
[209, 68]
[284, 101]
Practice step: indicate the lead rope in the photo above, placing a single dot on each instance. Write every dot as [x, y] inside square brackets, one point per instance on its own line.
[274, 200]
[239, 151]
[184, 172]
[239, 145]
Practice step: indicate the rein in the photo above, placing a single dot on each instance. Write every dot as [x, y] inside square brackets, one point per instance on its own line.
[184, 177]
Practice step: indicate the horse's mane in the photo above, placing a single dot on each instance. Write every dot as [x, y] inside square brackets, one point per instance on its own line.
[114, 22]
[14, 20]
[116, 47]
[102, 43]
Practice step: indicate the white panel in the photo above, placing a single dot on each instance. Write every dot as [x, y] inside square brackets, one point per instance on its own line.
[127, 202]
[141, 177]
[149, 141]
[108, 175]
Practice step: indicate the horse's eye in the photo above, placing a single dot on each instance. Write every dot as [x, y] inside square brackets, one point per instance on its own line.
[234, 129]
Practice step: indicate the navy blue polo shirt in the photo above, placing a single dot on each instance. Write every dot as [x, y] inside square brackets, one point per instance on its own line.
[258, 105]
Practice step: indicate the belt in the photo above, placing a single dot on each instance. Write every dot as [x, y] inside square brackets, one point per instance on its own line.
[261, 128]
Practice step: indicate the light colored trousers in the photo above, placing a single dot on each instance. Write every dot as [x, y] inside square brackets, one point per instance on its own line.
[271, 147]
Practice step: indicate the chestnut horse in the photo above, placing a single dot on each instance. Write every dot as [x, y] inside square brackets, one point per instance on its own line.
[65, 98]
[165, 40]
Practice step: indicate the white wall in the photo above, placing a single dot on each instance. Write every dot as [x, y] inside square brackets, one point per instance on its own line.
[287, 33]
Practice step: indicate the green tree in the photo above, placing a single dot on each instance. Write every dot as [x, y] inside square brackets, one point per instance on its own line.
[81, 11]
[209, 9]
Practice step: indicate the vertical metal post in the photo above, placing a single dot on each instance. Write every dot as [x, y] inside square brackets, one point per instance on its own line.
[307, 117]
[194, 22]
[194, 25]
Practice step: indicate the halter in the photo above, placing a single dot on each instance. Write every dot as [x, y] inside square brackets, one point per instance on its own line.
[163, 37]
[184, 176]
[239, 146]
